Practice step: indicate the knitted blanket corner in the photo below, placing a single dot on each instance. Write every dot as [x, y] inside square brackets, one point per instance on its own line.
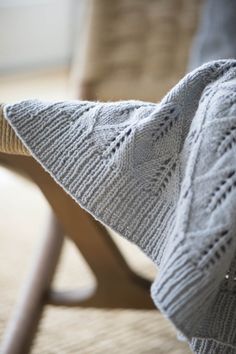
[163, 176]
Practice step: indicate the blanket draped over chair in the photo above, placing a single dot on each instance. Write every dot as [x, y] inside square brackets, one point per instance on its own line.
[163, 175]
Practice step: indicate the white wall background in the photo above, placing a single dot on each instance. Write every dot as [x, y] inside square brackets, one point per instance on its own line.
[38, 33]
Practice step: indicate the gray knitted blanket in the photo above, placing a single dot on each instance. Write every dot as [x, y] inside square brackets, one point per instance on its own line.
[163, 176]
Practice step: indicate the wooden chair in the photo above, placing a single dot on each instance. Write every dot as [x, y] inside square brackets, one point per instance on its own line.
[134, 49]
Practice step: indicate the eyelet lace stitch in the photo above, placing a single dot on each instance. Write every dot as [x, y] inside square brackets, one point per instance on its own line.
[220, 192]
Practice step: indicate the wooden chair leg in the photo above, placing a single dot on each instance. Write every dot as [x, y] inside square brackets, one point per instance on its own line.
[24, 322]
[118, 286]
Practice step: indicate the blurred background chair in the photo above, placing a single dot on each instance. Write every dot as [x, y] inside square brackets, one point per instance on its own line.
[132, 49]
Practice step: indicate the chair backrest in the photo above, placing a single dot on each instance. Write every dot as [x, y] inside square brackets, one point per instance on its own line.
[135, 49]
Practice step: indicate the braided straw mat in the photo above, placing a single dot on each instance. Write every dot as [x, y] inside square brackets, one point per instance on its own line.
[135, 49]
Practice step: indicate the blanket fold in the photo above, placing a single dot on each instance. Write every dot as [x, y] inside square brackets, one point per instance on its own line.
[163, 176]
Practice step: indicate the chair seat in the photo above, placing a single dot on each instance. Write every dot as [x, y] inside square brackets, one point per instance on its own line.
[9, 142]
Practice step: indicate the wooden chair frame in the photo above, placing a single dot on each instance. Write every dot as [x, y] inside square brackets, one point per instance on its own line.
[117, 286]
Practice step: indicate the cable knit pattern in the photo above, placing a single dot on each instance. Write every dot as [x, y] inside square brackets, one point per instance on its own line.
[163, 176]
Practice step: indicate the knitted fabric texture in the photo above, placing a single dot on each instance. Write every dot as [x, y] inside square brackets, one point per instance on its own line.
[163, 176]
